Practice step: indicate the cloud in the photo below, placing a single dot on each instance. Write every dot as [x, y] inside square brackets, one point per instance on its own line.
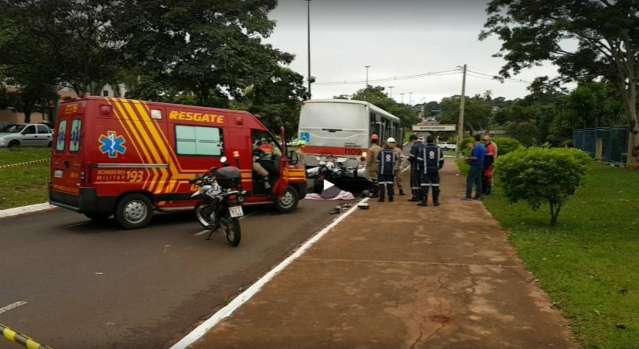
[397, 38]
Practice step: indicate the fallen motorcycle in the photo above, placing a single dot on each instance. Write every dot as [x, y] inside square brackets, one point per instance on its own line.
[336, 171]
[220, 201]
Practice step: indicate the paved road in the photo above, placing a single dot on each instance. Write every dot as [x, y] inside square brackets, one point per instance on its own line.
[95, 286]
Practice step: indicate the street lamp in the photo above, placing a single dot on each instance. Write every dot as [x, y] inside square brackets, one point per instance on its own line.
[308, 33]
[367, 67]
[390, 91]
[402, 94]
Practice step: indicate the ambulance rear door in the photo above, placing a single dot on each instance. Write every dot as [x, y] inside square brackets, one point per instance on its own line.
[67, 152]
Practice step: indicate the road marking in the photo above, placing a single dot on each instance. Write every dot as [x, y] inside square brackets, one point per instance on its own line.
[12, 306]
[25, 209]
[243, 297]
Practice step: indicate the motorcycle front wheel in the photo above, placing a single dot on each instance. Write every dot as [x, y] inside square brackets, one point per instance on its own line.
[204, 213]
[232, 231]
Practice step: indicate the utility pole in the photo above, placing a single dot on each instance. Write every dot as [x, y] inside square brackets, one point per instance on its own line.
[367, 67]
[410, 98]
[460, 124]
[390, 91]
[308, 38]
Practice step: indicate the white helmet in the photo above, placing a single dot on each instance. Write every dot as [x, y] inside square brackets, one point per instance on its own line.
[391, 140]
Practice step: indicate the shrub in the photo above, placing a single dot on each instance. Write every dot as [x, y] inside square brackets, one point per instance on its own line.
[466, 145]
[506, 145]
[542, 175]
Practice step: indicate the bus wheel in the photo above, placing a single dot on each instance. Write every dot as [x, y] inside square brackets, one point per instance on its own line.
[100, 217]
[287, 202]
[134, 211]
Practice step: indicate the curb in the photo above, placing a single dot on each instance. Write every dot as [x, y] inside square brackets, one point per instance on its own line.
[25, 163]
[25, 209]
[245, 296]
[19, 338]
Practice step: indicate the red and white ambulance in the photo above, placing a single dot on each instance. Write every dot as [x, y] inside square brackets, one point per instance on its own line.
[129, 158]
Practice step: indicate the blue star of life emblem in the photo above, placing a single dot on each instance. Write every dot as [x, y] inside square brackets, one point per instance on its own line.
[112, 144]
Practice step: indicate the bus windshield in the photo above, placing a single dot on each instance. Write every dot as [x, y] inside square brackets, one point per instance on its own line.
[334, 124]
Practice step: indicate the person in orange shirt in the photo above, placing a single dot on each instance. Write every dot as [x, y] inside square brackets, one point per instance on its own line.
[489, 164]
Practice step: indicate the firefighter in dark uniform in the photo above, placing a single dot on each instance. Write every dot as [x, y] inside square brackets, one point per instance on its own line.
[388, 161]
[430, 161]
[414, 178]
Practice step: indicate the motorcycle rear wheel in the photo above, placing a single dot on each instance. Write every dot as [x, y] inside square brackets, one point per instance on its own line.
[232, 231]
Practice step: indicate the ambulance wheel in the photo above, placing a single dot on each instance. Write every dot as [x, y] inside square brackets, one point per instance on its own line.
[134, 211]
[100, 217]
[287, 202]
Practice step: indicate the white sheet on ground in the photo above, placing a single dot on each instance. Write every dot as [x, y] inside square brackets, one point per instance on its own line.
[343, 195]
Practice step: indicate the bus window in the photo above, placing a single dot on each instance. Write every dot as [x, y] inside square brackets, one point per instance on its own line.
[374, 125]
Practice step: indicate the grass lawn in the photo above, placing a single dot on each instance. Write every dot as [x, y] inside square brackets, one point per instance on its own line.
[23, 185]
[15, 155]
[589, 262]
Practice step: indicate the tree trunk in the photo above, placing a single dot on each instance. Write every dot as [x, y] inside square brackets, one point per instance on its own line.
[27, 110]
[634, 138]
[555, 208]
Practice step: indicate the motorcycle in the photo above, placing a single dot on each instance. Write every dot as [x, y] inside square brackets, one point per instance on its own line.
[336, 171]
[220, 201]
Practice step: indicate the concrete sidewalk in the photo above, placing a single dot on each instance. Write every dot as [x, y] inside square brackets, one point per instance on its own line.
[402, 276]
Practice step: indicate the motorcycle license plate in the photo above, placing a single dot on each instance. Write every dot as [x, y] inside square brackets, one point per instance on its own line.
[236, 211]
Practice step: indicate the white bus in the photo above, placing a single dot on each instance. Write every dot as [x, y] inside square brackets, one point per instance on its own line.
[343, 128]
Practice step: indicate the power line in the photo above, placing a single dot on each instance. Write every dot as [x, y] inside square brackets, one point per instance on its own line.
[394, 78]
[495, 77]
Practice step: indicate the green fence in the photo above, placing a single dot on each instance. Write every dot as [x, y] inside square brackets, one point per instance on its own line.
[609, 144]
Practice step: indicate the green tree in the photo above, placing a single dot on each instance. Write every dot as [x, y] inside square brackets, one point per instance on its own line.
[542, 176]
[376, 96]
[27, 60]
[276, 101]
[594, 105]
[209, 50]
[606, 33]
[477, 113]
[67, 42]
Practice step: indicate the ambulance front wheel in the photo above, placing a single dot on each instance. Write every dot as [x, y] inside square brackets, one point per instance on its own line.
[287, 202]
[134, 211]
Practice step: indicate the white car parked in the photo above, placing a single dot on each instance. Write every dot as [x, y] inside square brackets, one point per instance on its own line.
[448, 146]
[28, 135]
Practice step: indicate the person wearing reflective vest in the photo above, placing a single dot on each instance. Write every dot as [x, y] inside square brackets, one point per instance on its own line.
[414, 144]
[388, 162]
[430, 160]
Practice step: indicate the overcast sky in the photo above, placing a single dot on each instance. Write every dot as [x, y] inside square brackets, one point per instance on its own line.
[396, 38]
